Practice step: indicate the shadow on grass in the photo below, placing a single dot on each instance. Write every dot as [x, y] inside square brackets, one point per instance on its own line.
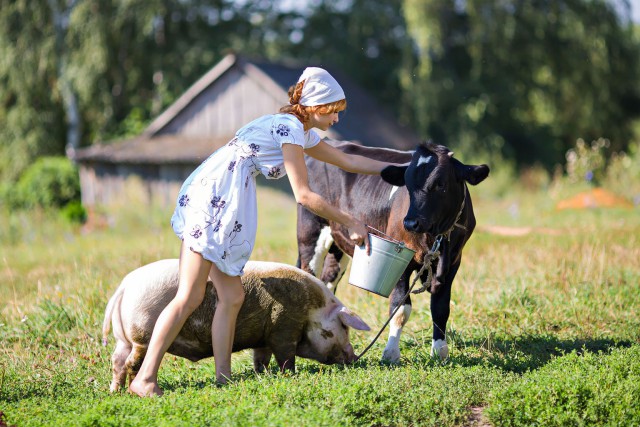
[516, 355]
[178, 381]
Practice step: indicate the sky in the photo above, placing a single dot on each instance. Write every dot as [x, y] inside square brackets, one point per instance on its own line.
[635, 8]
[301, 4]
[298, 4]
[635, 12]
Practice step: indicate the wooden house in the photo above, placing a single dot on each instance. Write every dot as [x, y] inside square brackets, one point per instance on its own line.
[234, 92]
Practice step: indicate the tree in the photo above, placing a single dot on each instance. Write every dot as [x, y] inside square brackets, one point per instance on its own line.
[30, 109]
[525, 78]
[366, 40]
[60, 14]
[67, 63]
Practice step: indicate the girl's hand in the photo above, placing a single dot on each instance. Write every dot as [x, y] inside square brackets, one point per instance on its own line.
[359, 234]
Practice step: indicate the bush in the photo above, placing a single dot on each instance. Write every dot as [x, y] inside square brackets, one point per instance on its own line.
[594, 165]
[74, 212]
[623, 173]
[587, 162]
[51, 182]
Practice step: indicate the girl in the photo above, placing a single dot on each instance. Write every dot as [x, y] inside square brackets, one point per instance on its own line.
[216, 213]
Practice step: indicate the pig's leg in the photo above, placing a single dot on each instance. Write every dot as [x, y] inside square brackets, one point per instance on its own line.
[134, 361]
[118, 359]
[284, 350]
[261, 358]
[286, 363]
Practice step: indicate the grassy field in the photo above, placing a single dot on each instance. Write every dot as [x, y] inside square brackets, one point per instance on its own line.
[544, 328]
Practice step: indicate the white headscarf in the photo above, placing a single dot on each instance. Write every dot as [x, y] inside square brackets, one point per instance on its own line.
[319, 87]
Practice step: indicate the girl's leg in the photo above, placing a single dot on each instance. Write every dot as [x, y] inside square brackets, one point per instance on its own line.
[193, 282]
[230, 298]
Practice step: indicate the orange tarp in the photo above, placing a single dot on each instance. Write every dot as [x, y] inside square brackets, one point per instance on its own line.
[595, 198]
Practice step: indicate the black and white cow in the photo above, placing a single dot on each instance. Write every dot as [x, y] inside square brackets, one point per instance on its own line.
[413, 204]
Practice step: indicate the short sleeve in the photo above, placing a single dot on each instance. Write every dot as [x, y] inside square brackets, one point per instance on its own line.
[311, 139]
[287, 129]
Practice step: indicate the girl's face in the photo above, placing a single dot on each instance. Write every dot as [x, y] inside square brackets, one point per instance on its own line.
[322, 121]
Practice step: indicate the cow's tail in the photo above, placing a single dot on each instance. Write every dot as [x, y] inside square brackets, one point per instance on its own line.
[111, 305]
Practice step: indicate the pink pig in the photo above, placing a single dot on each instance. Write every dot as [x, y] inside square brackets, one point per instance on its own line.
[286, 312]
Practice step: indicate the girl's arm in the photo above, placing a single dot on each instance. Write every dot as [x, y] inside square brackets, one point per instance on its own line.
[348, 162]
[299, 179]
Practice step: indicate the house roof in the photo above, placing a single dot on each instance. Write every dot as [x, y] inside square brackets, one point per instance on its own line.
[161, 149]
[365, 120]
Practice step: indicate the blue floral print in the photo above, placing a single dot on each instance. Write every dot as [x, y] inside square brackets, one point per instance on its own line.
[196, 232]
[274, 172]
[217, 202]
[216, 208]
[283, 130]
[236, 228]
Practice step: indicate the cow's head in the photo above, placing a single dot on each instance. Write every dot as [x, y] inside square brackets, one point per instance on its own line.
[435, 182]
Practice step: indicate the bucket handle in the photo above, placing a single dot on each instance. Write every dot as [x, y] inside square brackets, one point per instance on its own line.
[397, 242]
[399, 245]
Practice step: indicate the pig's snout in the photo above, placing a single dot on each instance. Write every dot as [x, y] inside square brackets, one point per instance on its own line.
[342, 356]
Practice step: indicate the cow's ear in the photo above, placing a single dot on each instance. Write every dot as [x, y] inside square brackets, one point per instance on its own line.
[473, 174]
[394, 175]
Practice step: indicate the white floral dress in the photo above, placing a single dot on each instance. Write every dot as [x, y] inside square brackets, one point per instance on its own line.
[216, 211]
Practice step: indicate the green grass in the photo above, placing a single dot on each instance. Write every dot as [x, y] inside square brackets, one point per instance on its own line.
[544, 328]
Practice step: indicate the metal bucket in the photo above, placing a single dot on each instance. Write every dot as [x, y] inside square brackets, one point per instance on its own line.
[379, 272]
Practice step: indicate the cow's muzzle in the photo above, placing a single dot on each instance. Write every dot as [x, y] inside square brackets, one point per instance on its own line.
[413, 225]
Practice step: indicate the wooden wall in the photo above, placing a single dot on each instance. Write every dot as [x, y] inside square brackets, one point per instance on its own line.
[224, 108]
[108, 184]
[113, 184]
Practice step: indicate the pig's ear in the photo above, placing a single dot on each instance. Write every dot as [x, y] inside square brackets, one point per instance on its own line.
[351, 319]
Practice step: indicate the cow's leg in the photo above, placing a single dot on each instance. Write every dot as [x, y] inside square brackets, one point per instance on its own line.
[118, 359]
[321, 249]
[440, 315]
[440, 310]
[334, 267]
[314, 240]
[391, 352]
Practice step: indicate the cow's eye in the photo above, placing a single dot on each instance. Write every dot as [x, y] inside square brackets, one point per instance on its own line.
[436, 186]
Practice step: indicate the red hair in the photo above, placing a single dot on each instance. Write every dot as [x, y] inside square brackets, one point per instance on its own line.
[302, 112]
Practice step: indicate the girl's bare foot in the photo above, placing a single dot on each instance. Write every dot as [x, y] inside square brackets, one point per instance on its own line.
[145, 389]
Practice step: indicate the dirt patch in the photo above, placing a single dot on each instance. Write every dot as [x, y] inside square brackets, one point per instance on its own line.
[517, 231]
[477, 418]
[594, 198]
[3, 422]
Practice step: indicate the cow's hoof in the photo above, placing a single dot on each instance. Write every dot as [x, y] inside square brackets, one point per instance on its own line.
[391, 355]
[440, 349]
